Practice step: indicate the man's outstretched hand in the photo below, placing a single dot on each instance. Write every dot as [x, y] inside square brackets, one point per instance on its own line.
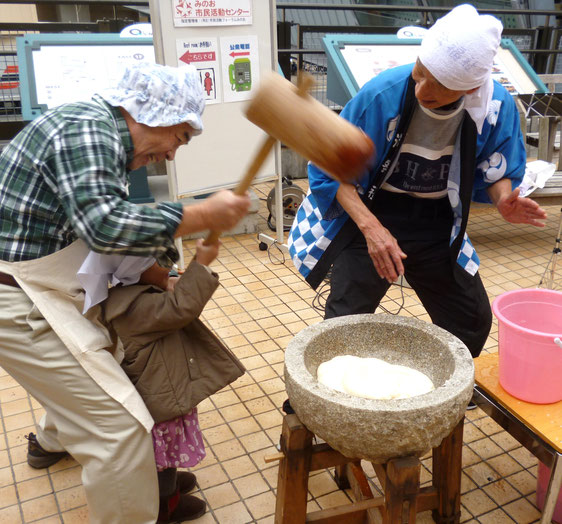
[521, 210]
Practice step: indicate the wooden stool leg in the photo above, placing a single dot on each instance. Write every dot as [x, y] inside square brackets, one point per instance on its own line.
[402, 485]
[341, 476]
[292, 483]
[447, 466]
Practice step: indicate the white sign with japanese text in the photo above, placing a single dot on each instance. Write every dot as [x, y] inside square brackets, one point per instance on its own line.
[212, 12]
[203, 54]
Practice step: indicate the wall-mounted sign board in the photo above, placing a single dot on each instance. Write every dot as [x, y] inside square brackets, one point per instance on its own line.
[355, 59]
[61, 68]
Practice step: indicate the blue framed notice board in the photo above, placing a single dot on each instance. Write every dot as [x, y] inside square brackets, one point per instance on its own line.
[59, 68]
[355, 59]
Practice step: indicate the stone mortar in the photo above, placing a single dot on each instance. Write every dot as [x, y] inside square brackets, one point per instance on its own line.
[378, 430]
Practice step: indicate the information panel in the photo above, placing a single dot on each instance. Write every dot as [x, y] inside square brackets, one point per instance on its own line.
[56, 69]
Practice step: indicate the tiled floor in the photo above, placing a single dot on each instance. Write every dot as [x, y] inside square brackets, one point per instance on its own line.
[261, 304]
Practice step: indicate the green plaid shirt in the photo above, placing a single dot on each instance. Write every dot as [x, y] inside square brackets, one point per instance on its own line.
[64, 177]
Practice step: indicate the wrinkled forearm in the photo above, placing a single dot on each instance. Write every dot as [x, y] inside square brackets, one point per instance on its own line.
[499, 191]
[349, 199]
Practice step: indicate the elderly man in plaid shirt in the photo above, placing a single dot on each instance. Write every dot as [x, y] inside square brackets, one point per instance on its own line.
[63, 192]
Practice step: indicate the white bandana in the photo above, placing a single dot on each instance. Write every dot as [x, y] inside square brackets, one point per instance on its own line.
[160, 96]
[459, 50]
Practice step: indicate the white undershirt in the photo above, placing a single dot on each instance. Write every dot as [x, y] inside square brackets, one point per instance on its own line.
[424, 160]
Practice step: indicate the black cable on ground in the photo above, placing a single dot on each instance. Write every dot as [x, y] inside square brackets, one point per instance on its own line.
[277, 250]
[319, 300]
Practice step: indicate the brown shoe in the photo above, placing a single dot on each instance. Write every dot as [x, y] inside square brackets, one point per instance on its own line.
[40, 458]
[179, 508]
[185, 482]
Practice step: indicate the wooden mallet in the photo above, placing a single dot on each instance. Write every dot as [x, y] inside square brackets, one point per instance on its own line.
[289, 114]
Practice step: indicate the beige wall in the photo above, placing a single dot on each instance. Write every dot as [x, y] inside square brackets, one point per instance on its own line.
[10, 13]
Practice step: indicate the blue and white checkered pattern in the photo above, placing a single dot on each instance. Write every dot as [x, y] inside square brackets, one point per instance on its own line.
[311, 235]
[467, 257]
[307, 238]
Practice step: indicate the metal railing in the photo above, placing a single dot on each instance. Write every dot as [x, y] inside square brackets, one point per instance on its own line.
[424, 10]
[540, 46]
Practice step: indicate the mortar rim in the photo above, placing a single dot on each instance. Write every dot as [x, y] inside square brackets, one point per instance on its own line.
[461, 378]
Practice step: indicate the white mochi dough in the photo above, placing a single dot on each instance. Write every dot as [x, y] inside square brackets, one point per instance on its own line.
[372, 378]
[330, 373]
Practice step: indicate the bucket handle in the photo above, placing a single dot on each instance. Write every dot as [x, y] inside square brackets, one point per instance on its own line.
[558, 342]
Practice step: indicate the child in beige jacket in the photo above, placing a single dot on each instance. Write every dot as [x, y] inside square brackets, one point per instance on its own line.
[174, 361]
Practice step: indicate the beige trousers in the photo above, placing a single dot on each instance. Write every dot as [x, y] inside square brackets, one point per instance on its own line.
[114, 449]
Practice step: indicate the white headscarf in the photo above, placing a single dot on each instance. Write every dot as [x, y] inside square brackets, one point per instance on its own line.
[160, 96]
[459, 50]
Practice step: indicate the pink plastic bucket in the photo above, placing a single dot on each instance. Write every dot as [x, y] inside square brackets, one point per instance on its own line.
[543, 477]
[530, 360]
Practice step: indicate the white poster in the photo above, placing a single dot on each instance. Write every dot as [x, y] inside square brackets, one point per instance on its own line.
[69, 73]
[240, 67]
[367, 61]
[212, 12]
[203, 54]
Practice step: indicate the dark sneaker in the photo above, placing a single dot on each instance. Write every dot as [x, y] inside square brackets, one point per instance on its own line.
[179, 508]
[471, 406]
[40, 458]
[185, 481]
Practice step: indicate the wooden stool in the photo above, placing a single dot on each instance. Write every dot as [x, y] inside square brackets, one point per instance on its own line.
[400, 479]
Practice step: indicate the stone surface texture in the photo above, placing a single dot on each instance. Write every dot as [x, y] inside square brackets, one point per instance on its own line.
[378, 430]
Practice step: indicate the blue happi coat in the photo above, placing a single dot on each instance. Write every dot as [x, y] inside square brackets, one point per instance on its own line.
[377, 109]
